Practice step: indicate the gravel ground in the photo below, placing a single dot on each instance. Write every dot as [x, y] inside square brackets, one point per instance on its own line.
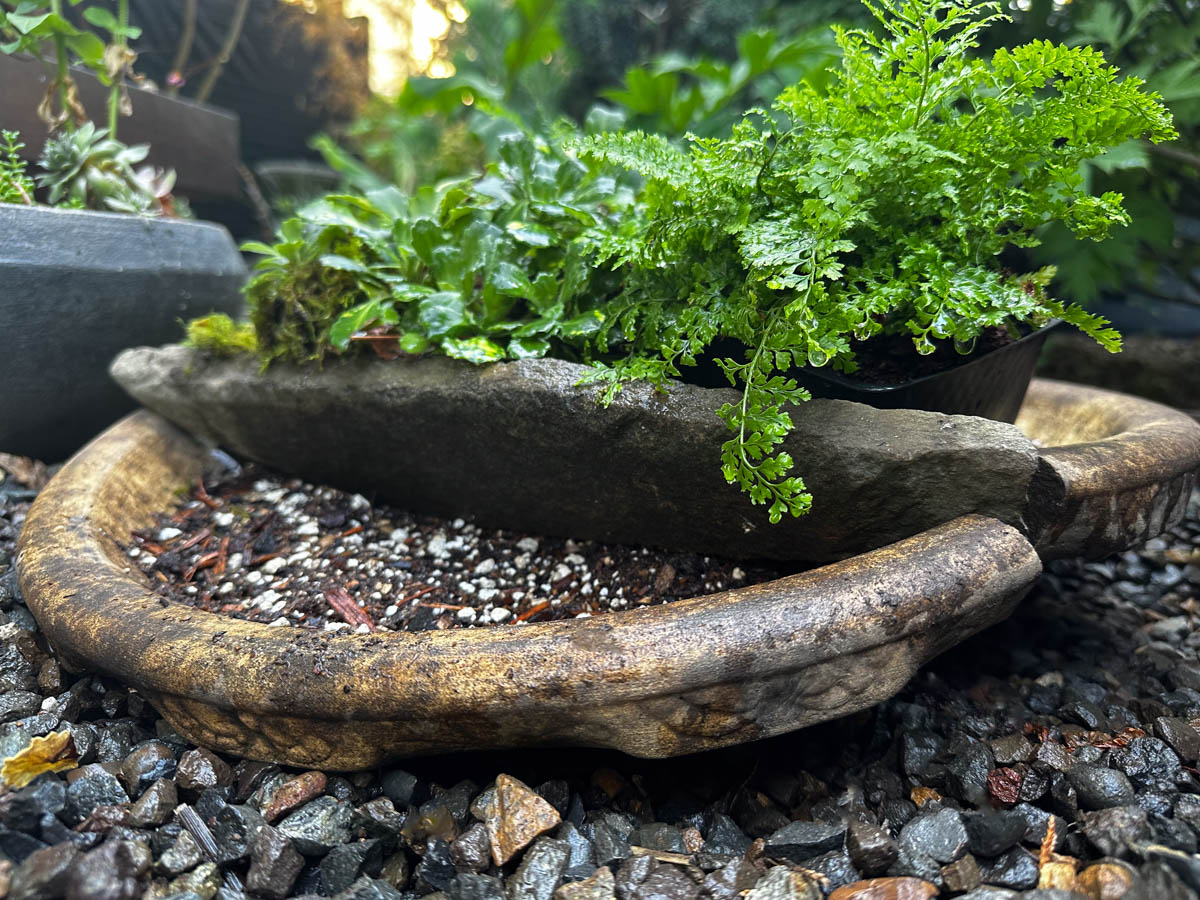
[258, 546]
[1075, 717]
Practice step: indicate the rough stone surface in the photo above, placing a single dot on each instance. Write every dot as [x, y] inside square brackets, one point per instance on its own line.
[126, 280]
[886, 889]
[515, 817]
[781, 883]
[645, 470]
[940, 835]
[318, 826]
[1099, 787]
[872, 850]
[600, 886]
[274, 864]
[541, 870]
[200, 768]
[799, 841]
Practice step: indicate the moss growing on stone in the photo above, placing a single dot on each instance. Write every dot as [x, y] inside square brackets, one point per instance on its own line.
[220, 335]
[292, 316]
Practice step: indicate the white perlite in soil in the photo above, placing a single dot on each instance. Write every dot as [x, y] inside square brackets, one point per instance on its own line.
[284, 552]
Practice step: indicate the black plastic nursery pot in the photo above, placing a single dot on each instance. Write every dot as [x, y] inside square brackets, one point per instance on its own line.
[990, 385]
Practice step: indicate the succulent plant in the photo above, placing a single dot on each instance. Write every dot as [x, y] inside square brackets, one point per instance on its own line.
[87, 169]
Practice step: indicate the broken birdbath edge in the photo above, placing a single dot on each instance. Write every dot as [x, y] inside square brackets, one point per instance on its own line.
[661, 681]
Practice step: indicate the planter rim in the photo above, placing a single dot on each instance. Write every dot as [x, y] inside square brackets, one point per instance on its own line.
[911, 599]
[870, 387]
[109, 216]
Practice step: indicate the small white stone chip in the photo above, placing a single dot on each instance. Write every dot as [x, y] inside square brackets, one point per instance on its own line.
[168, 534]
[271, 566]
[500, 614]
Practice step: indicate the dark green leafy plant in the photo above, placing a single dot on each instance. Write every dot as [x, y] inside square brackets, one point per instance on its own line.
[674, 95]
[879, 206]
[15, 185]
[480, 269]
[1158, 253]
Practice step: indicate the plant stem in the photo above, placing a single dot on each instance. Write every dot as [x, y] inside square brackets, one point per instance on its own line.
[60, 56]
[1169, 151]
[227, 48]
[925, 70]
[114, 89]
[184, 50]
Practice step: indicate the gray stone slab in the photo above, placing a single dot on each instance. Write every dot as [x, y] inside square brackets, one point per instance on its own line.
[518, 445]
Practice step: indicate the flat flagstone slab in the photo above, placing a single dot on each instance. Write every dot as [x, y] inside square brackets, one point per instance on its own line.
[521, 446]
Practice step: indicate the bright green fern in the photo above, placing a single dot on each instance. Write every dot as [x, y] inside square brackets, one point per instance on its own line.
[878, 206]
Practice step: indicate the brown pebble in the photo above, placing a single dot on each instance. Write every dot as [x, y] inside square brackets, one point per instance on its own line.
[608, 781]
[600, 886]
[294, 792]
[693, 840]
[1104, 881]
[1057, 876]
[886, 889]
[200, 768]
[516, 817]
[664, 579]
[49, 678]
[962, 875]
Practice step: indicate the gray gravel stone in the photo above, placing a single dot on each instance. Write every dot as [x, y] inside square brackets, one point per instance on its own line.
[799, 841]
[1112, 831]
[90, 787]
[318, 826]
[940, 835]
[1099, 787]
[343, 865]
[541, 870]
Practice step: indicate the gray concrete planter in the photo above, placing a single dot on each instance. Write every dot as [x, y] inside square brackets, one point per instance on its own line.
[77, 287]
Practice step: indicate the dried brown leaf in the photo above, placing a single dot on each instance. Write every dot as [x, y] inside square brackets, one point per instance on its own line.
[53, 753]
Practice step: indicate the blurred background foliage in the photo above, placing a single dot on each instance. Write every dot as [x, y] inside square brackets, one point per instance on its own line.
[693, 66]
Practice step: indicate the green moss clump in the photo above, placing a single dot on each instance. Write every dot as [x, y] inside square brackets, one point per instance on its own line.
[291, 315]
[220, 335]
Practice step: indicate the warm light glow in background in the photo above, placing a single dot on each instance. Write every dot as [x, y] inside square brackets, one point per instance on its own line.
[403, 39]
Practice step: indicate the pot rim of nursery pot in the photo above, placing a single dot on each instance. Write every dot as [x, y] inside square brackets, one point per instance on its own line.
[671, 679]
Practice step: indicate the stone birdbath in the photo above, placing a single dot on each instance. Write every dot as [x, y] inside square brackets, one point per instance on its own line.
[934, 528]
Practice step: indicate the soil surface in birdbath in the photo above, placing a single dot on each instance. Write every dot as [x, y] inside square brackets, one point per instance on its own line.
[259, 546]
